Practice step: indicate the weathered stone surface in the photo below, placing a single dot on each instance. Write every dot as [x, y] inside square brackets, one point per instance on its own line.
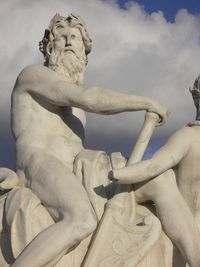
[61, 208]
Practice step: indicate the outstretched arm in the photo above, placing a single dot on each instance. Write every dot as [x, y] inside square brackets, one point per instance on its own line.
[167, 157]
[47, 84]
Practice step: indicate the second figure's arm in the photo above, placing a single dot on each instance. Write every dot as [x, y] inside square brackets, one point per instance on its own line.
[165, 158]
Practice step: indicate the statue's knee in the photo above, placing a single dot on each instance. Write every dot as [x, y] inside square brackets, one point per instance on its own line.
[169, 176]
[165, 181]
[83, 223]
[160, 186]
[90, 221]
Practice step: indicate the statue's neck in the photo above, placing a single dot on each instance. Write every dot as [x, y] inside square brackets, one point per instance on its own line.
[76, 77]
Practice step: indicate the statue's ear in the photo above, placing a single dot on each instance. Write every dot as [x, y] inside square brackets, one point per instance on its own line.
[45, 40]
[46, 34]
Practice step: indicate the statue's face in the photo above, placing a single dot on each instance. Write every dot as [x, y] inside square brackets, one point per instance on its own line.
[196, 98]
[69, 41]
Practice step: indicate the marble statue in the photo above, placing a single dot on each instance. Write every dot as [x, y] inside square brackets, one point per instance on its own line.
[59, 207]
[171, 178]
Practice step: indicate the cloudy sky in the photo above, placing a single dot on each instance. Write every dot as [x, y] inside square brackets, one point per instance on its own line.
[144, 47]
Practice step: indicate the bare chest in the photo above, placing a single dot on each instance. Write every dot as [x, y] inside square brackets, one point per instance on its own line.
[188, 178]
[58, 131]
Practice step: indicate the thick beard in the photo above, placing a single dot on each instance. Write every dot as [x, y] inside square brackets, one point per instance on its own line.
[69, 65]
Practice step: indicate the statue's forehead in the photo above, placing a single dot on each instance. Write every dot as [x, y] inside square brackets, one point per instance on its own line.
[74, 30]
[65, 29]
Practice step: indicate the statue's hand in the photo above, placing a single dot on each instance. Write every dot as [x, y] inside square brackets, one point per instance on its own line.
[111, 176]
[160, 110]
[8, 179]
[125, 176]
[116, 177]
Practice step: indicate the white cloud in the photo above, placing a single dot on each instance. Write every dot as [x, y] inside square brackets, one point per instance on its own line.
[134, 52]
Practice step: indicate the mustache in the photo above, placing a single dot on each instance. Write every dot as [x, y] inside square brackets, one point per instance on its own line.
[69, 49]
[58, 55]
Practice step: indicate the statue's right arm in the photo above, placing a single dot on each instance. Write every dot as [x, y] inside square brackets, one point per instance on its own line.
[167, 157]
[47, 84]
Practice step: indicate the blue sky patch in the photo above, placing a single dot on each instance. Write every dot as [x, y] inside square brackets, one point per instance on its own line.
[168, 7]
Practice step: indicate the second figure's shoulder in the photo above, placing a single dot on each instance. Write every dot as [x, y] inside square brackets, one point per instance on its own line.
[182, 135]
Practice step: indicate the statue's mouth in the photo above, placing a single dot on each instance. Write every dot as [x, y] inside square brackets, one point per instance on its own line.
[69, 50]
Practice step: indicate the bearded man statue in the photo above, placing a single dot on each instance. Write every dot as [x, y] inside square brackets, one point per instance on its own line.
[48, 121]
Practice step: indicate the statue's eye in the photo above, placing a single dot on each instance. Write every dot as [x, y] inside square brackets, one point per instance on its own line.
[59, 26]
[73, 37]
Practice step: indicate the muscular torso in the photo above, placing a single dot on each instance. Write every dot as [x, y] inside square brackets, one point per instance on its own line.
[41, 126]
[188, 171]
[182, 153]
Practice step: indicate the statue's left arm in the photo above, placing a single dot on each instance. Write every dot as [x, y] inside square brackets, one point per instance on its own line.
[165, 158]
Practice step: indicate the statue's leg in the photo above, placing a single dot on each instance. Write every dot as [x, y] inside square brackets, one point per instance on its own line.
[176, 218]
[65, 198]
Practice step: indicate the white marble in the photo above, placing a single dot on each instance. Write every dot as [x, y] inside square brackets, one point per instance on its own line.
[171, 179]
[59, 208]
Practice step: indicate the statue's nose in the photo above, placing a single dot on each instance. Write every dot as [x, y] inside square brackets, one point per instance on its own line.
[68, 40]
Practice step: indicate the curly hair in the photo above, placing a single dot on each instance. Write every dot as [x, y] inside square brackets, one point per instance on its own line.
[195, 91]
[73, 21]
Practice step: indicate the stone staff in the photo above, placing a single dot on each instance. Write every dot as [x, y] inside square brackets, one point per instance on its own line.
[117, 213]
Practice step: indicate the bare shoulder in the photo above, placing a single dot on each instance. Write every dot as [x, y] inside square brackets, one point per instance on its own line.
[35, 72]
[184, 131]
[177, 146]
[194, 129]
[182, 136]
[34, 76]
